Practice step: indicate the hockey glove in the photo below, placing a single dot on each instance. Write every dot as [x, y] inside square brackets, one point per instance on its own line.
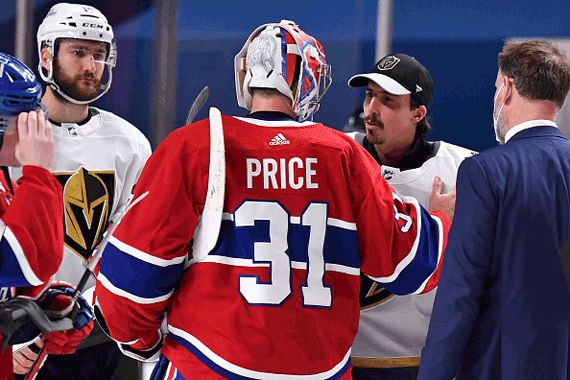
[57, 301]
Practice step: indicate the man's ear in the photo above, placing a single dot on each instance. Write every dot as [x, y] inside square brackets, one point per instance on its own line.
[45, 58]
[419, 113]
[509, 89]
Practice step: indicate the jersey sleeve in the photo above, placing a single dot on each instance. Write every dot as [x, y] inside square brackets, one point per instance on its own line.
[144, 153]
[140, 156]
[31, 245]
[145, 258]
[401, 243]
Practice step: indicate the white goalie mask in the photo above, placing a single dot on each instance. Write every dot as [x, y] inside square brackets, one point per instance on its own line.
[76, 21]
[284, 58]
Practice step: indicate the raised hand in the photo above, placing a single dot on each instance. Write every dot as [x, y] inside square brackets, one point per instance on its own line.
[35, 140]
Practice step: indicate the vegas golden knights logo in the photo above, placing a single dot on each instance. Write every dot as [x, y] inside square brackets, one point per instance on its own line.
[372, 293]
[388, 63]
[88, 200]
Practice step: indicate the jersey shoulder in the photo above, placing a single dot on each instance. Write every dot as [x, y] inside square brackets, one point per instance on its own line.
[113, 125]
[357, 136]
[195, 136]
[349, 141]
[455, 152]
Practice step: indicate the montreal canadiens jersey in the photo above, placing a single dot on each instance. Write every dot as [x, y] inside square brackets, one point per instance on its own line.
[305, 212]
[31, 242]
[392, 330]
[30, 245]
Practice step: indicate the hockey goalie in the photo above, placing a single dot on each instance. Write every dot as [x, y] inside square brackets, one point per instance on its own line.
[258, 270]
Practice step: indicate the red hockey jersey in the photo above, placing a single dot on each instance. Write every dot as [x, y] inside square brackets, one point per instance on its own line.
[31, 242]
[306, 210]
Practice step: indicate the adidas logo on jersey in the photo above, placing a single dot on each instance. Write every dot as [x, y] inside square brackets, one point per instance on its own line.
[279, 139]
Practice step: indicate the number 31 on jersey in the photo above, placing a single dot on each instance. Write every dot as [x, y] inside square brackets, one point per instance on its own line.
[275, 252]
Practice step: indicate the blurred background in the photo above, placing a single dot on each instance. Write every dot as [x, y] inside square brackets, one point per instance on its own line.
[169, 49]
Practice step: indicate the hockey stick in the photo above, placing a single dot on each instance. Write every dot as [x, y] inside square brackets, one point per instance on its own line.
[94, 259]
[89, 268]
[208, 229]
[197, 104]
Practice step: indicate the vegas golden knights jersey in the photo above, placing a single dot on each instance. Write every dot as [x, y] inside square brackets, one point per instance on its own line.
[97, 164]
[392, 330]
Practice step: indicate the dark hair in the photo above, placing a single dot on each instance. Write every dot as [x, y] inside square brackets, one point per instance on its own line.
[539, 69]
[423, 128]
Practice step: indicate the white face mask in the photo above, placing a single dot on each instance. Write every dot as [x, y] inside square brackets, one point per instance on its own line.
[497, 114]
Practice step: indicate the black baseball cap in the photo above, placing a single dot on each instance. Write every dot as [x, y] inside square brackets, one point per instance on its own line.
[399, 74]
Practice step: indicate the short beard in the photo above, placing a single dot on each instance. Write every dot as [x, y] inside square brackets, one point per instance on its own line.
[372, 138]
[69, 86]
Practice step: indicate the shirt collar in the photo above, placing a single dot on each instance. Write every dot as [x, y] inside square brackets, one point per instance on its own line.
[90, 113]
[420, 151]
[526, 125]
[269, 115]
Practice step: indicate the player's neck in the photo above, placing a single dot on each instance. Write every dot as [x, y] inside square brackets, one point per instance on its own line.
[389, 159]
[62, 111]
[393, 156]
[276, 103]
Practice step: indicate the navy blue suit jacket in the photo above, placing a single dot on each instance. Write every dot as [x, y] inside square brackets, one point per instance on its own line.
[502, 310]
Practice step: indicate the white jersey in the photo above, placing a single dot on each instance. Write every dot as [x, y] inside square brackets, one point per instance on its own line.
[97, 163]
[392, 330]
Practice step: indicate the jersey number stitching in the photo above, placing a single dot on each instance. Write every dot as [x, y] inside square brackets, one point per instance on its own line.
[278, 288]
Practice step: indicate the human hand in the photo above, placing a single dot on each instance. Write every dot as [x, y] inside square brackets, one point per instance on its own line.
[24, 358]
[440, 201]
[35, 140]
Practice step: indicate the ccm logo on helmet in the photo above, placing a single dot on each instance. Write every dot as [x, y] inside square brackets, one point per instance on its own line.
[88, 25]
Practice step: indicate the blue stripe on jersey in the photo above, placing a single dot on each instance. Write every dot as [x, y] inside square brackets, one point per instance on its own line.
[143, 279]
[340, 373]
[224, 372]
[424, 262]
[204, 359]
[11, 275]
[340, 247]
[161, 372]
